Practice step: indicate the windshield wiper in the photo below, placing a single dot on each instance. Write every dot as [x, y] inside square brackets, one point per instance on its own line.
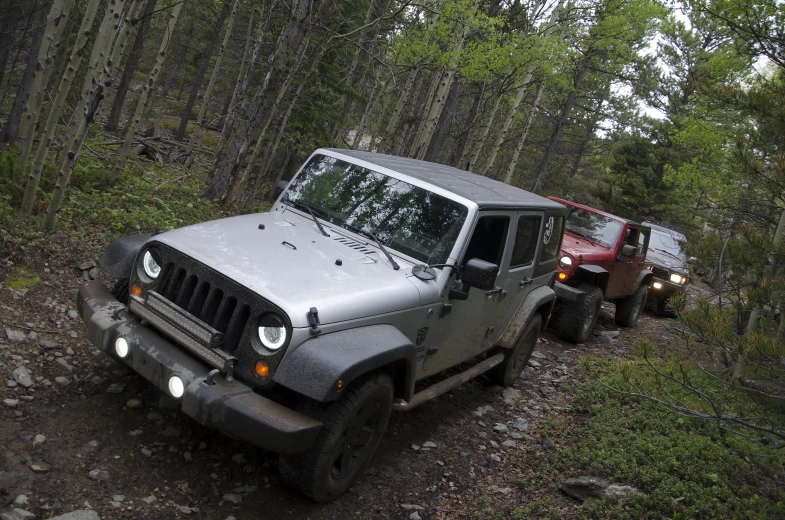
[582, 235]
[668, 253]
[373, 237]
[313, 215]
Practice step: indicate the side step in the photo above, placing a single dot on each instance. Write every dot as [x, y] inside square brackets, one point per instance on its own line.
[448, 384]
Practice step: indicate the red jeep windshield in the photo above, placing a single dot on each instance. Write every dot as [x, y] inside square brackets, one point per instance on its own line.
[594, 226]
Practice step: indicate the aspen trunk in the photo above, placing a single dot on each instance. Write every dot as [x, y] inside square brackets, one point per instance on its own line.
[240, 73]
[197, 83]
[516, 154]
[363, 120]
[92, 103]
[443, 125]
[55, 25]
[197, 133]
[113, 122]
[144, 97]
[48, 132]
[563, 116]
[461, 152]
[392, 125]
[484, 131]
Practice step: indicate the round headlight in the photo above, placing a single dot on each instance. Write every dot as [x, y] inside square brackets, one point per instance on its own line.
[565, 262]
[676, 278]
[150, 264]
[272, 332]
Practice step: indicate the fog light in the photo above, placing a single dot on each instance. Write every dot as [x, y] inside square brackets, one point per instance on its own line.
[136, 289]
[176, 387]
[262, 369]
[657, 285]
[562, 276]
[121, 346]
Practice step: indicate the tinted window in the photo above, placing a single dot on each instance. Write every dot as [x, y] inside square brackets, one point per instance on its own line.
[488, 240]
[594, 226]
[551, 237]
[404, 217]
[526, 238]
[641, 243]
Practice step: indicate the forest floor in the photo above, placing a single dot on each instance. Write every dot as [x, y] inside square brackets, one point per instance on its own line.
[157, 463]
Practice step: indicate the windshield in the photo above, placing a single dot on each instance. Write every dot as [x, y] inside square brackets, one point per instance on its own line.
[666, 242]
[594, 226]
[404, 217]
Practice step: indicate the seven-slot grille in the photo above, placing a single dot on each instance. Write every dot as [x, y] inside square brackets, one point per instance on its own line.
[211, 300]
[659, 272]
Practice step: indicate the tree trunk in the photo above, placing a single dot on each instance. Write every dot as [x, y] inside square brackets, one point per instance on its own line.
[444, 123]
[197, 133]
[364, 119]
[197, 84]
[522, 140]
[290, 38]
[563, 116]
[233, 100]
[116, 113]
[9, 18]
[484, 131]
[144, 97]
[50, 127]
[11, 130]
[392, 125]
[55, 25]
[95, 87]
[461, 151]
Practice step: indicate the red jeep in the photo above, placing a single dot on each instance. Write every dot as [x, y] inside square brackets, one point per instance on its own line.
[602, 257]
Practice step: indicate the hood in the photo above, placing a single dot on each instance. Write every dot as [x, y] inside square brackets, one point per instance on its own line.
[575, 245]
[666, 261]
[293, 265]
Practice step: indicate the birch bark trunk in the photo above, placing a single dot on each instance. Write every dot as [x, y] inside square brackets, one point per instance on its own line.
[516, 154]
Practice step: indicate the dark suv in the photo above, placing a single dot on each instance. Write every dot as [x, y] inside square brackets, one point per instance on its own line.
[602, 258]
[669, 264]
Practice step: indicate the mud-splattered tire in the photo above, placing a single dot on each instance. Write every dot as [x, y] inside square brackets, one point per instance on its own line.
[120, 291]
[353, 426]
[629, 309]
[577, 320]
[515, 358]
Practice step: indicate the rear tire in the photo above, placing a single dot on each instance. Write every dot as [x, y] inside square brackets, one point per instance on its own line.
[515, 358]
[120, 290]
[629, 309]
[577, 320]
[353, 426]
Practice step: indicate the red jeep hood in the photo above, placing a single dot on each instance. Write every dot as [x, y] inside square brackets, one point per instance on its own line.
[575, 245]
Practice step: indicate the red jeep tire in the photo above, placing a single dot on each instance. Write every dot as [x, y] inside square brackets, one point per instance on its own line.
[629, 309]
[577, 320]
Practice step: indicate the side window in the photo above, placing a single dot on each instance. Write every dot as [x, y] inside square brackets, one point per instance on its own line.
[526, 238]
[551, 238]
[643, 237]
[488, 240]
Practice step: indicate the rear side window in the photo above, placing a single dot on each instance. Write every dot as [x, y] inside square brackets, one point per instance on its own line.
[551, 238]
[642, 237]
[525, 241]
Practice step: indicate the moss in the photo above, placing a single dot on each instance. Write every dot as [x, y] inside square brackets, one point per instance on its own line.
[22, 278]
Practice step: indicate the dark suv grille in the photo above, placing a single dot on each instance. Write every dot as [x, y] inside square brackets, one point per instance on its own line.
[212, 301]
[661, 273]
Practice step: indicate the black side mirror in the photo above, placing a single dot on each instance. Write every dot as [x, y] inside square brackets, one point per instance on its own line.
[479, 273]
[280, 187]
[628, 250]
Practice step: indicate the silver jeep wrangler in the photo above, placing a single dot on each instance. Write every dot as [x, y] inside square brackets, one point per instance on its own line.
[301, 329]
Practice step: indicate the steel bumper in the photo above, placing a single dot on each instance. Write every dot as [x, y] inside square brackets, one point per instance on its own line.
[667, 290]
[230, 407]
[567, 293]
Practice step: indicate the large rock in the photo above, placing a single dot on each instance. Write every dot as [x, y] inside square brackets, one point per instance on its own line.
[621, 492]
[15, 335]
[18, 514]
[584, 488]
[23, 376]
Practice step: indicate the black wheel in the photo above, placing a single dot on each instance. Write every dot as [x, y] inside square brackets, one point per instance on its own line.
[353, 427]
[577, 320]
[120, 290]
[629, 309]
[515, 358]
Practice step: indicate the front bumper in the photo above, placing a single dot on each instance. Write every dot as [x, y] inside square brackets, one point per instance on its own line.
[665, 291]
[230, 407]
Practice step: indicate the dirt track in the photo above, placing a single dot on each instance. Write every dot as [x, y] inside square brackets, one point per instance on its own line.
[153, 452]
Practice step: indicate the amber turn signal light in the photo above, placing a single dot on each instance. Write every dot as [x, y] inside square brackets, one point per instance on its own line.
[136, 289]
[339, 385]
[262, 369]
[562, 276]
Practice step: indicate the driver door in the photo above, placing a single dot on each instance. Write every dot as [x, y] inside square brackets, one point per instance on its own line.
[470, 324]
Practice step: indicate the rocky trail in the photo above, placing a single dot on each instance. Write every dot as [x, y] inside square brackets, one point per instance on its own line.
[81, 433]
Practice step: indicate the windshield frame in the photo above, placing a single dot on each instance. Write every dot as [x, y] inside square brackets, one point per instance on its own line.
[452, 258]
[604, 216]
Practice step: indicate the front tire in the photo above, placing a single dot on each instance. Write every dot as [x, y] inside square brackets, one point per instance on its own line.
[353, 426]
[577, 320]
[629, 309]
[120, 290]
[515, 358]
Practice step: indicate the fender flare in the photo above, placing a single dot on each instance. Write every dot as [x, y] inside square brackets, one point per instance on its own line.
[644, 278]
[539, 300]
[315, 366]
[118, 258]
[593, 275]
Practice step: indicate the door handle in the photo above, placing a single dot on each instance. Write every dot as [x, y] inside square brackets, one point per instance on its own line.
[630, 263]
[525, 282]
[501, 292]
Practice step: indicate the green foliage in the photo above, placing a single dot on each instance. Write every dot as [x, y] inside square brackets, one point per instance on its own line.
[22, 278]
[173, 124]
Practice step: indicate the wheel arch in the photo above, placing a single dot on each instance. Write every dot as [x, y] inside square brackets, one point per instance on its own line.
[541, 301]
[593, 275]
[314, 368]
[644, 278]
[118, 258]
